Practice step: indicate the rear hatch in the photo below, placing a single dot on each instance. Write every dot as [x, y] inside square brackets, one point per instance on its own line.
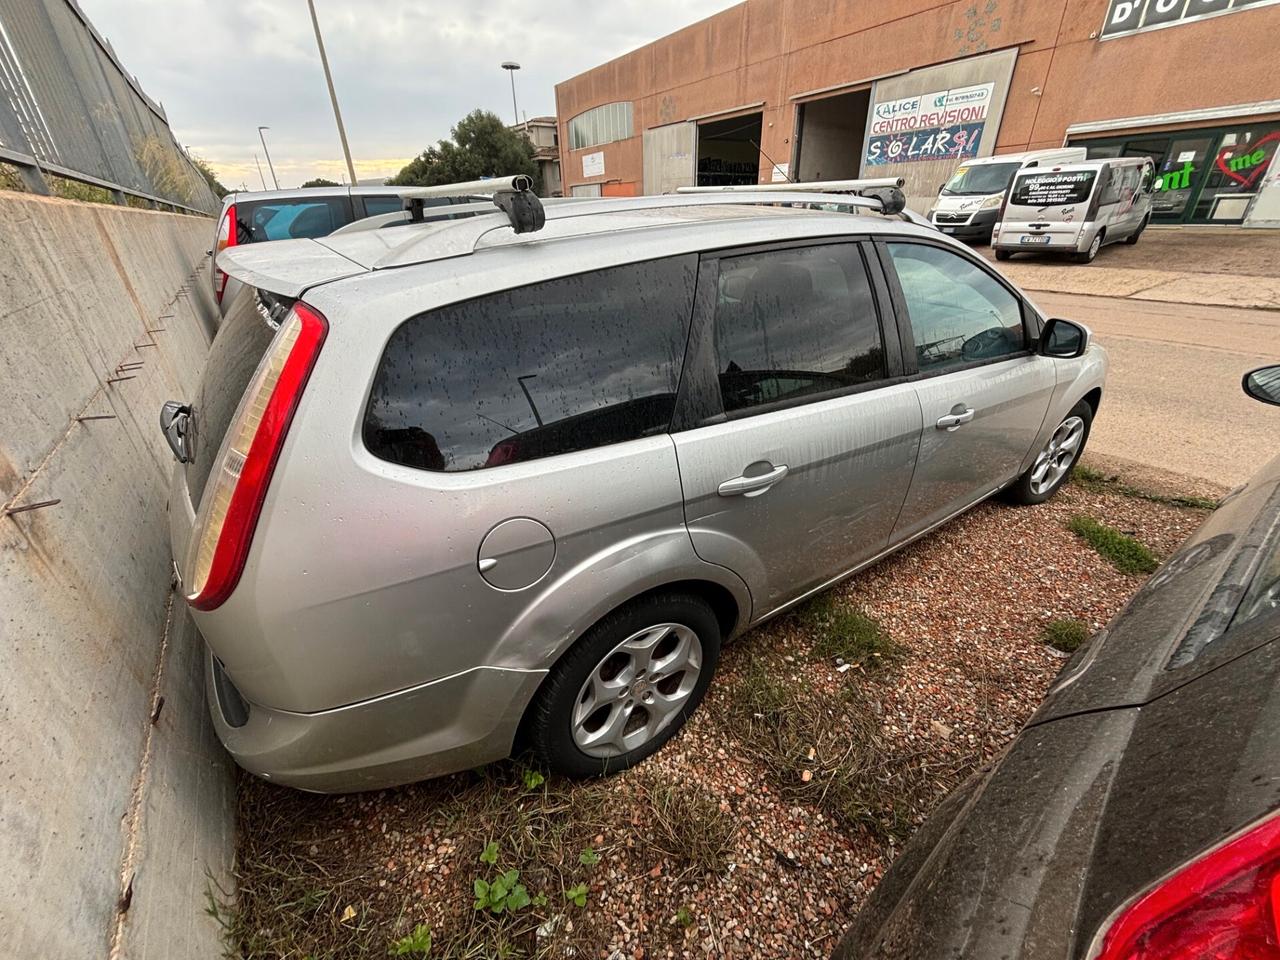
[1047, 207]
[274, 275]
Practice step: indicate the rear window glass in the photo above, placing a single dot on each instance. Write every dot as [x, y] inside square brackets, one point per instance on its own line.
[1053, 189]
[791, 323]
[290, 219]
[565, 365]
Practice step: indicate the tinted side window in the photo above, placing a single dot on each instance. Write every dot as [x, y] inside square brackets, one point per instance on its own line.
[286, 219]
[1111, 187]
[376, 205]
[550, 368]
[959, 313]
[794, 322]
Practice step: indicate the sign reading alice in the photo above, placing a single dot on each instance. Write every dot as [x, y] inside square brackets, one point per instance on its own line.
[945, 124]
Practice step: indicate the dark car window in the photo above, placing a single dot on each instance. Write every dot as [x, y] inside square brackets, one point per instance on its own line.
[290, 219]
[1049, 188]
[959, 313]
[794, 322]
[376, 205]
[550, 368]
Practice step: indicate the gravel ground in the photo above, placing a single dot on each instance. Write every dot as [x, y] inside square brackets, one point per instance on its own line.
[761, 828]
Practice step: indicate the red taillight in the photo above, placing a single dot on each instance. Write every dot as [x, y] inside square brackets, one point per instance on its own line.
[226, 238]
[1222, 906]
[237, 486]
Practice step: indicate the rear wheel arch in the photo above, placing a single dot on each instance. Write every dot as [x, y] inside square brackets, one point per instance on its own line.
[724, 605]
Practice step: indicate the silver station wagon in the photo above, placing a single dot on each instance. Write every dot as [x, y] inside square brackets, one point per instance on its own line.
[457, 488]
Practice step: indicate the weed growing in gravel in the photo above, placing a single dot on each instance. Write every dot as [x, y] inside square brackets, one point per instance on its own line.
[577, 894]
[684, 917]
[1096, 481]
[1065, 635]
[417, 943]
[688, 828]
[829, 751]
[847, 633]
[1124, 552]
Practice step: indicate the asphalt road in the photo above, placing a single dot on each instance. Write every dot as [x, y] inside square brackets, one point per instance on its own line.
[1173, 403]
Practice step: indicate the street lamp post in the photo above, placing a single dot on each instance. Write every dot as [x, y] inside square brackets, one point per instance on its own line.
[270, 166]
[511, 67]
[260, 176]
[333, 97]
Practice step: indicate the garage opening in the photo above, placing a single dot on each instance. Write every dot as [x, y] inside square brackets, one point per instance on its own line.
[829, 138]
[729, 151]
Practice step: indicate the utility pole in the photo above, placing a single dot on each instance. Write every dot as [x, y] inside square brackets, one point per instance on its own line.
[333, 97]
[269, 164]
[511, 67]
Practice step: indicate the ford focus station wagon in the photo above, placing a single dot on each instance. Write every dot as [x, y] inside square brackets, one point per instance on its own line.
[448, 490]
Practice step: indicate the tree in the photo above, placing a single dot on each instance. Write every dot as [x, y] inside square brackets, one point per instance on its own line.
[319, 182]
[210, 177]
[482, 146]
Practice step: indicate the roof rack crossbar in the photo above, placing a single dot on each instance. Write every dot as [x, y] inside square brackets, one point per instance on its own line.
[512, 195]
[886, 190]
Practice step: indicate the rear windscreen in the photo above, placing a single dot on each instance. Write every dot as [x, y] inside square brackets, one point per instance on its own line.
[290, 218]
[1053, 188]
[242, 340]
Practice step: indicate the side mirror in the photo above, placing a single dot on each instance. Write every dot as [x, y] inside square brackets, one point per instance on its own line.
[1064, 340]
[1263, 384]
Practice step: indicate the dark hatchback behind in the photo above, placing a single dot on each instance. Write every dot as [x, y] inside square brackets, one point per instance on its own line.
[1138, 813]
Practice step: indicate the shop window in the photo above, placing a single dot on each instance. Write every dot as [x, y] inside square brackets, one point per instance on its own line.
[1235, 172]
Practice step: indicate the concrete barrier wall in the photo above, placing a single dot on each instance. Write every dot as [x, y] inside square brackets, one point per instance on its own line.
[111, 825]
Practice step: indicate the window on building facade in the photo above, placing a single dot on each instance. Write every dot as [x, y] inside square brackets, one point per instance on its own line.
[602, 124]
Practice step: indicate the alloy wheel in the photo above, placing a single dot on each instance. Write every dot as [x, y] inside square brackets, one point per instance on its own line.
[1058, 455]
[637, 690]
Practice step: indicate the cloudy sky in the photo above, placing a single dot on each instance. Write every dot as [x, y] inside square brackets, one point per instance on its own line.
[405, 70]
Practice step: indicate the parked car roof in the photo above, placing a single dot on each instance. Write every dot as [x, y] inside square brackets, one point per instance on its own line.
[290, 266]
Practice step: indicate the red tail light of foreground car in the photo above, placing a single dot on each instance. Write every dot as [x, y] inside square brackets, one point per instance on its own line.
[233, 499]
[1223, 906]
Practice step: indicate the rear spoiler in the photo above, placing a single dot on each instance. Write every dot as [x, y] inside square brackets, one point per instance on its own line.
[286, 267]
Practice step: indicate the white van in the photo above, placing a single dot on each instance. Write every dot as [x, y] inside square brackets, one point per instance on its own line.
[1075, 208]
[967, 204]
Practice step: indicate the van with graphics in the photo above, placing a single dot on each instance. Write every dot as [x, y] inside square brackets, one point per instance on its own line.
[1077, 208]
[967, 204]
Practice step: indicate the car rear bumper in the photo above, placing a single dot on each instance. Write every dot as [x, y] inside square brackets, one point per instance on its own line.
[451, 724]
[1014, 239]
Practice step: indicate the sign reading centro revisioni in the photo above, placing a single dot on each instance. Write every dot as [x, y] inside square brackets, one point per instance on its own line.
[1132, 16]
[932, 126]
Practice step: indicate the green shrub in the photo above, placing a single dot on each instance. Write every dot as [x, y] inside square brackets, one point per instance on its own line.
[1065, 635]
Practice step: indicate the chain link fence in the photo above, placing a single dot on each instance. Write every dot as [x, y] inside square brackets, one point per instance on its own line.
[69, 108]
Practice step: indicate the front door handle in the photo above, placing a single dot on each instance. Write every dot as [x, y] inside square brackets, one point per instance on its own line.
[752, 486]
[953, 420]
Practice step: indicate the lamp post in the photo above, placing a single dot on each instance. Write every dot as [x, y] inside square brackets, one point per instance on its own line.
[511, 67]
[333, 97]
[269, 164]
[260, 176]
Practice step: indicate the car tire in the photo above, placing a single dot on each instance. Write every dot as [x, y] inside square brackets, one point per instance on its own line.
[1030, 488]
[1094, 247]
[1133, 237]
[1003, 255]
[573, 731]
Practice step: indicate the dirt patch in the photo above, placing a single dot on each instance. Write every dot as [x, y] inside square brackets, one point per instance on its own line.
[759, 830]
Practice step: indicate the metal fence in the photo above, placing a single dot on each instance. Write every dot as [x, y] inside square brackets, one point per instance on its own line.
[69, 108]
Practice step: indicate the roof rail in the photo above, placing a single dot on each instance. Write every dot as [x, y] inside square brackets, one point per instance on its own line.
[886, 190]
[512, 195]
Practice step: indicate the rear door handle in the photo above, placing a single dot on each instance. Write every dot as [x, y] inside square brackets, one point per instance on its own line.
[953, 420]
[752, 486]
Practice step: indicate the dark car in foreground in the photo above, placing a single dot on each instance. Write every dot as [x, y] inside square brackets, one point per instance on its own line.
[1137, 815]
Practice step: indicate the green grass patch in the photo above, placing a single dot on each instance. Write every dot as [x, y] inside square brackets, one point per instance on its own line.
[1124, 552]
[1065, 635]
[1095, 481]
[848, 633]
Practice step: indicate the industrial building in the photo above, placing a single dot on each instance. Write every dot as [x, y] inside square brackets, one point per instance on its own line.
[774, 90]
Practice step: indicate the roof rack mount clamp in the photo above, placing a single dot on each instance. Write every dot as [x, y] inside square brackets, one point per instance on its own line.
[523, 209]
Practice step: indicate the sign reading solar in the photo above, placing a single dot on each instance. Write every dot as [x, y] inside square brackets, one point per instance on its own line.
[1131, 16]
